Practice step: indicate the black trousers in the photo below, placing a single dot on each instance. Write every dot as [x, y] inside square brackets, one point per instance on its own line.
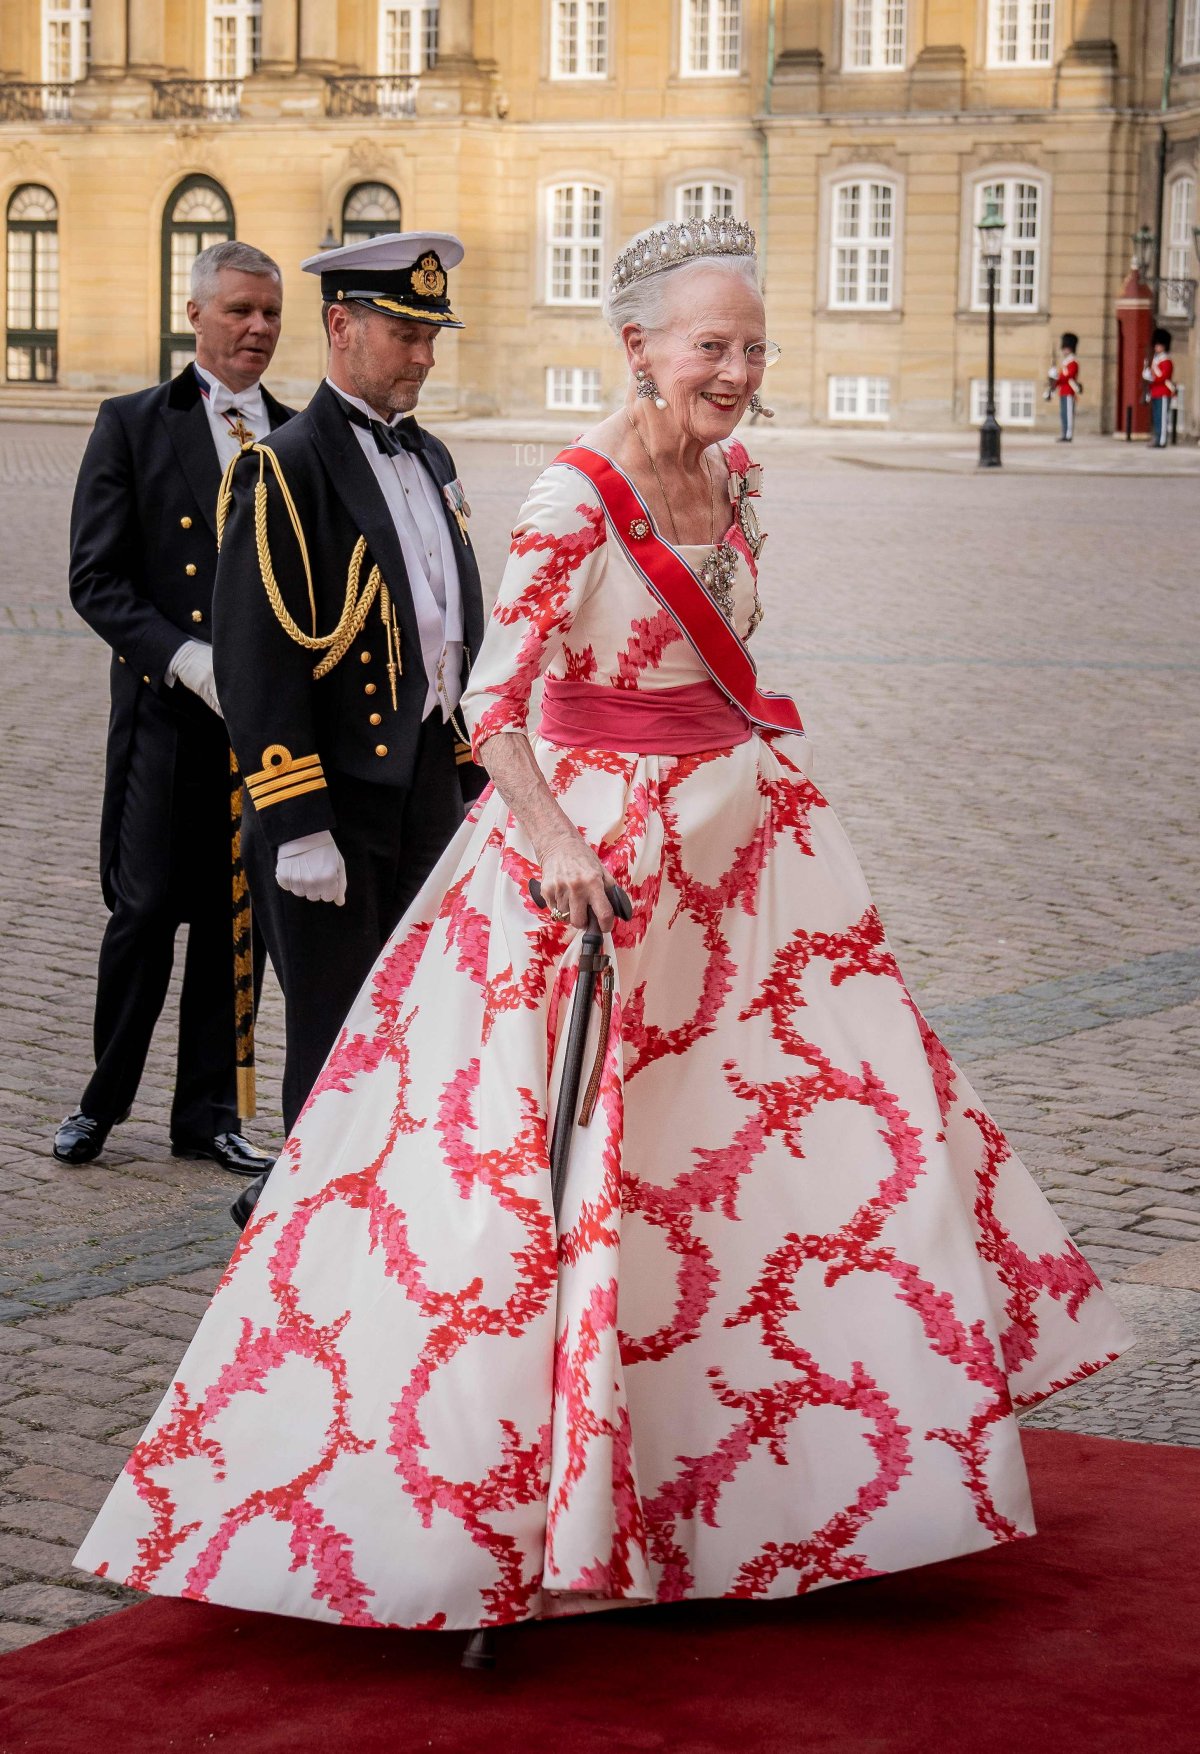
[390, 841]
[172, 866]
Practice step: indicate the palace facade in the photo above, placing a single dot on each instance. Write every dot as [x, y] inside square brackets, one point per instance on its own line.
[862, 138]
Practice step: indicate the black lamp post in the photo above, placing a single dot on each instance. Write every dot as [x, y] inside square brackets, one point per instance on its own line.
[329, 242]
[991, 235]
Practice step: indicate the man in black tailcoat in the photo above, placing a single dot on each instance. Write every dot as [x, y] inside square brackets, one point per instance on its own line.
[342, 644]
[143, 566]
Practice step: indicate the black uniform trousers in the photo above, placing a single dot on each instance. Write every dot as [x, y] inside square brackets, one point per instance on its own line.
[390, 839]
[171, 866]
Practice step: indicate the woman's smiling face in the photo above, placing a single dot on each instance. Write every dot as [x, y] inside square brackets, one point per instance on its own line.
[698, 357]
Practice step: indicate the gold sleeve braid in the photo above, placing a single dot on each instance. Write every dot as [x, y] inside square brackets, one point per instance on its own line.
[356, 604]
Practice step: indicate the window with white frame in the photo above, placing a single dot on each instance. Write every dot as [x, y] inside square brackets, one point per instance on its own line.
[1014, 401]
[574, 243]
[873, 34]
[862, 239]
[859, 398]
[234, 38]
[1177, 247]
[572, 386]
[1020, 33]
[1188, 46]
[1019, 202]
[705, 200]
[408, 38]
[32, 336]
[711, 37]
[66, 40]
[579, 39]
[369, 210]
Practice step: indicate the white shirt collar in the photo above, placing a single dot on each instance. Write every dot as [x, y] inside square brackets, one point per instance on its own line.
[221, 397]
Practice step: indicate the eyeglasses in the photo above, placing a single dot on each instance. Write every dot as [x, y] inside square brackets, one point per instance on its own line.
[758, 355]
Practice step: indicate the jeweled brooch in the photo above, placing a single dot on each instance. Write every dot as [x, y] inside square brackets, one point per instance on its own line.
[639, 529]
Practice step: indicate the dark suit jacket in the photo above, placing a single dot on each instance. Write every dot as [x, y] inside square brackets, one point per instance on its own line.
[144, 561]
[282, 721]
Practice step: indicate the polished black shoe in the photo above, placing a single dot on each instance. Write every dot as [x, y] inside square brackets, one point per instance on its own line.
[230, 1150]
[81, 1138]
[246, 1201]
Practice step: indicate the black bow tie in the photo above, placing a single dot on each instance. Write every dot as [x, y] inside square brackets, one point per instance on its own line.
[406, 435]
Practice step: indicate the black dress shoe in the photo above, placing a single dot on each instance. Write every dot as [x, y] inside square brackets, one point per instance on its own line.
[246, 1201]
[81, 1137]
[230, 1150]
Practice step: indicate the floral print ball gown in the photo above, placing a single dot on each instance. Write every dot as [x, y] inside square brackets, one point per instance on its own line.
[801, 1282]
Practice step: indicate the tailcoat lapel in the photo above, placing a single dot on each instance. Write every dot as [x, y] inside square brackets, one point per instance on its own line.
[186, 422]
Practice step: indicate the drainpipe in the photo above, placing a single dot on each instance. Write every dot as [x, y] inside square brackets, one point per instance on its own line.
[765, 186]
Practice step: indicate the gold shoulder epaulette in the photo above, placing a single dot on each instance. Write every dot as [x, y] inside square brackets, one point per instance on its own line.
[357, 602]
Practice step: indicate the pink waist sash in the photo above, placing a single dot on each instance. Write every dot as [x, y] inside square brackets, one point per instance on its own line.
[659, 721]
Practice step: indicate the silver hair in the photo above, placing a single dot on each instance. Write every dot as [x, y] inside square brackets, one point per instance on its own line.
[645, 302]
[232, 254]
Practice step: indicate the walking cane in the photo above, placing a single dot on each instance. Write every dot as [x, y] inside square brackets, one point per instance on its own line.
[594, 960]
[243, 955]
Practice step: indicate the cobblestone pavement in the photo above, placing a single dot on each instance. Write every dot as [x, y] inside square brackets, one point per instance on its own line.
[1000, 675]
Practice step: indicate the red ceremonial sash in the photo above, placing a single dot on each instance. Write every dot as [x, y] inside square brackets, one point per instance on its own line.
[672, 581]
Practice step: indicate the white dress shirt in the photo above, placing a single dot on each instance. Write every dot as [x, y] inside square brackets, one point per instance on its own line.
[220, 401]
[419, 515]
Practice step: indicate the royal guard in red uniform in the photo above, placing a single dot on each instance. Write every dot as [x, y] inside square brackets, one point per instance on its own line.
[1160, 377]
[1064, 377]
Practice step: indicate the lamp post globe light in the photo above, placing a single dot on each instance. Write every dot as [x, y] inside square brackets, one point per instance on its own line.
[1143, 250]
[991, 236]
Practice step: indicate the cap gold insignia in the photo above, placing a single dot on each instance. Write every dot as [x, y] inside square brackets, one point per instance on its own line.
[428, 281]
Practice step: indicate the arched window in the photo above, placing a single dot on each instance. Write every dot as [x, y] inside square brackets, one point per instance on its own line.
[873, 34]
[1177, 256]
[234, 38]
[710, 37]
[575, 241]
[32, 286]
[198, 214]
[862, 236]
[705, 200]
[1020, 33]
[1018, 281]
[66, 39]
[368, 210]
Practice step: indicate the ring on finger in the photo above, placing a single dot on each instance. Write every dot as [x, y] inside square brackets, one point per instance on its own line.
[557, 913]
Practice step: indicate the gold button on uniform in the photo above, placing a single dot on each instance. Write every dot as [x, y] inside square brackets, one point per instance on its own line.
[377, 718]
[145, 679]
[196, 615]
[120, 660]
[370, 688]
[190, 569]
[381, 749]
[185, 523]
[364, 657]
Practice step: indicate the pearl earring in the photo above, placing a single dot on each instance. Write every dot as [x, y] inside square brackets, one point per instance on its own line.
[647, 388]
[757, 406]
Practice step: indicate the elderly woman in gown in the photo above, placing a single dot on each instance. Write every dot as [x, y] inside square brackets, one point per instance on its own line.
[799, 1283]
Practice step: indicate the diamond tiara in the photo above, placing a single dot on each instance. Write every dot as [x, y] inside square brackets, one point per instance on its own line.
[669, 245]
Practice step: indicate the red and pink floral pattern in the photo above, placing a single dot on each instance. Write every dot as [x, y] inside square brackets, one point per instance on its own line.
[801, 1283]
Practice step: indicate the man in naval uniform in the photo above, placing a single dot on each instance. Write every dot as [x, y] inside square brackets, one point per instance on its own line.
[342, 643]
[143, 562]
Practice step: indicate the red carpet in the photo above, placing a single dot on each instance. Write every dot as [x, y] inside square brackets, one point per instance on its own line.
[1083, 1639]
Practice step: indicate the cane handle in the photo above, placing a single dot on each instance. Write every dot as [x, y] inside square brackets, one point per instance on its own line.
[617, 898]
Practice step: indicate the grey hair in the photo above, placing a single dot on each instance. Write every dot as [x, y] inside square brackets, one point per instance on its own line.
[645, 302]
[231, 254]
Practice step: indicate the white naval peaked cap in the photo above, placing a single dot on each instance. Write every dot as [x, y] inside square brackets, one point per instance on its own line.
[402, 273]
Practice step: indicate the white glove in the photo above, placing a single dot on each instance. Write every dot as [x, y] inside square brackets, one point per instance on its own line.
[193, 666]
[312, 868]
